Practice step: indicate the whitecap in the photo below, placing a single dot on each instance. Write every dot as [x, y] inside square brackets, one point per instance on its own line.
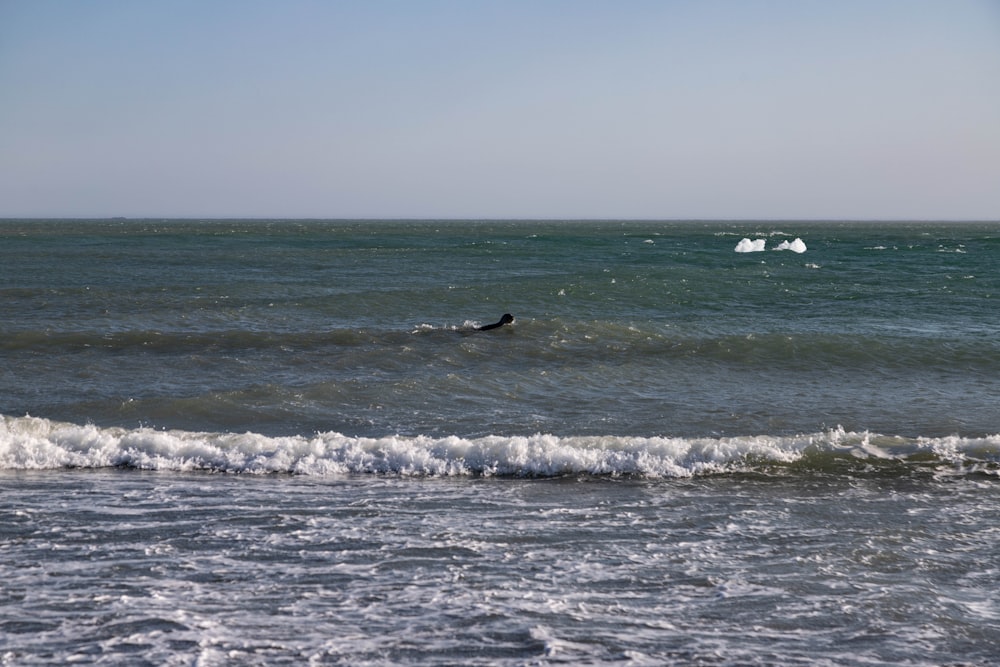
[746, 245]
[795, 246]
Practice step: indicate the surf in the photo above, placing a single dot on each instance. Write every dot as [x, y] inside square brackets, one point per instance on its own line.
[33, 443]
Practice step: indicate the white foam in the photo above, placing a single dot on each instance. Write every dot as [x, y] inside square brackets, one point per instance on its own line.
[795, 246]
[32, 443]
[746, 245]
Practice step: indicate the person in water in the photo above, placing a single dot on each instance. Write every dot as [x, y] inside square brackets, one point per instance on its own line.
[506, 319]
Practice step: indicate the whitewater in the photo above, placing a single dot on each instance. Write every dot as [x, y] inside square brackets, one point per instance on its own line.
[38, 444]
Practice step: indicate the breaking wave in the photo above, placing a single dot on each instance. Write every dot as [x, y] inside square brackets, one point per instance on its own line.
[31, 443]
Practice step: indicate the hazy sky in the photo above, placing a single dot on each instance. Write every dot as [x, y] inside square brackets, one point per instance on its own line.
[500, 109]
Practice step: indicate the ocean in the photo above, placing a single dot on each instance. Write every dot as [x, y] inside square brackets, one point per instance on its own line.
[278, 442]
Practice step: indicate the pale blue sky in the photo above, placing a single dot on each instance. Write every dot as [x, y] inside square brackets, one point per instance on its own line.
[866, 109]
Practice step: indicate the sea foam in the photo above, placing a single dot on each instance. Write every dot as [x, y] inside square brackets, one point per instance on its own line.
[795, 246]
[759, 245]
[30, 443]
[746, 245]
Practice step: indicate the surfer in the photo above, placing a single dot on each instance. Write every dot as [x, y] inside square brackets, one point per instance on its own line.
[506, 319]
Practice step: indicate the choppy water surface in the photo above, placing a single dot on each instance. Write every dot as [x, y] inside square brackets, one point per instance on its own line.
[284, 442]
[123, 567]
[289, 328]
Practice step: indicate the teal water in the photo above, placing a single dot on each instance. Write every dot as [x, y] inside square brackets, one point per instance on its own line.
[259, 442]
[623, 329]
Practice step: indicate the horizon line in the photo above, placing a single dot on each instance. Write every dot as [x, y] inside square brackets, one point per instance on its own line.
[196, 218]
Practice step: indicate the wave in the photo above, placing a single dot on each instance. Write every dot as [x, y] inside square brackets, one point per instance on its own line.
[32, 443]
[158, 341]
[543, 338]
[150, 340]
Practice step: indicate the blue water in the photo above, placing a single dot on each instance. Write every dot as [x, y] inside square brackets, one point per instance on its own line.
[282, 442]
[290, 328]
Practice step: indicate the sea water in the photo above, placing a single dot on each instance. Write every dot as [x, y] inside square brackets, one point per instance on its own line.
[285, 442]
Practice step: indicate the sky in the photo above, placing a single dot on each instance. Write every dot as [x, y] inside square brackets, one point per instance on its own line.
[554, 109]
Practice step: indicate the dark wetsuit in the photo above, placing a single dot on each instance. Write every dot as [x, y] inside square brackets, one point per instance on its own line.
[506, 319]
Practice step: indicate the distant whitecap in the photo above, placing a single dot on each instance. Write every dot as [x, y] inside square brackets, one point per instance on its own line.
[795, 246]
[746, 245]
